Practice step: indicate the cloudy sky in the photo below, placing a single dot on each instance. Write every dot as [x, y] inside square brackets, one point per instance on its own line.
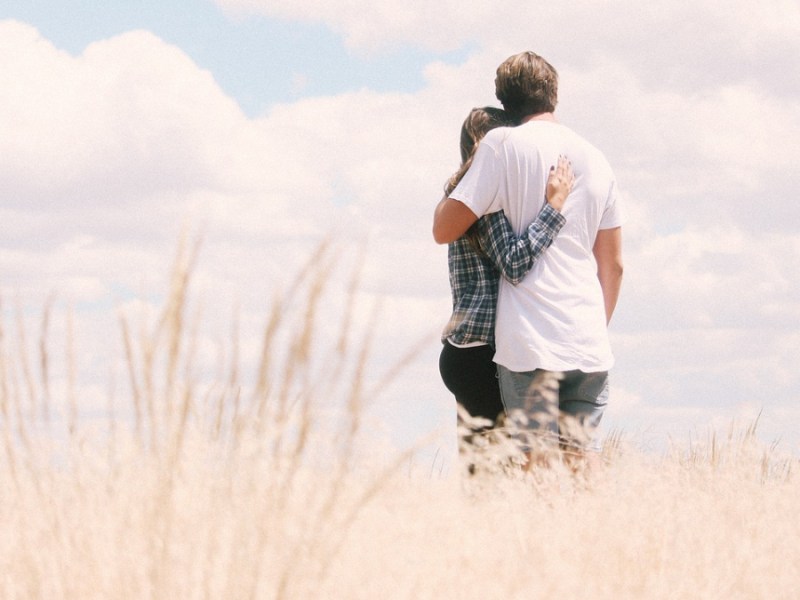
[266, 126]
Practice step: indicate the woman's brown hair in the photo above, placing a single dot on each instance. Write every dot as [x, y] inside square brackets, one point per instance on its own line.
[478, 122]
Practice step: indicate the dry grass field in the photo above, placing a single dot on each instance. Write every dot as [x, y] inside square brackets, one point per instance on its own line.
[239, 489]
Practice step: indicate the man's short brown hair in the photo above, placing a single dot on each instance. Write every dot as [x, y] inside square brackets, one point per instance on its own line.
[526, 84]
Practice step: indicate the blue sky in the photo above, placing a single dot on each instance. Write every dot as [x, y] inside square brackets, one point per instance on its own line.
[259, 61]
[340, 118]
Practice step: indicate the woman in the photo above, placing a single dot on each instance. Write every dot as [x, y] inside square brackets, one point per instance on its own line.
[476, 261]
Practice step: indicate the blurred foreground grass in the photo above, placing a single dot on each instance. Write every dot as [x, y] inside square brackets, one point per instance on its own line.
[242, 488]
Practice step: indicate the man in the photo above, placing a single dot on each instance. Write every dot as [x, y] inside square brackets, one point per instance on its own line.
[553, 324]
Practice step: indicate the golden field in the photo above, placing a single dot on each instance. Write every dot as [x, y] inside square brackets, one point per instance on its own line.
[242, 488]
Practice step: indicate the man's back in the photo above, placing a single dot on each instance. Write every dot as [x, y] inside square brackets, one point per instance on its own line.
[555, 318]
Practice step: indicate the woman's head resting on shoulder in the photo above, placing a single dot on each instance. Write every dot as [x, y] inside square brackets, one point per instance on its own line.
[478, 123]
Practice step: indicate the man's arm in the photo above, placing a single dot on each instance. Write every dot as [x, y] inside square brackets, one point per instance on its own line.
[451, 220]
[608, 254]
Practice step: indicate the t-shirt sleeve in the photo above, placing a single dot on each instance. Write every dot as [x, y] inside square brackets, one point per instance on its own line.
[479, 187]
[612, 215]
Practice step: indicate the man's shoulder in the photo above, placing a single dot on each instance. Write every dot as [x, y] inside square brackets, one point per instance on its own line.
[549, 132]
[575, 137]
[497, 136]
[591, 154]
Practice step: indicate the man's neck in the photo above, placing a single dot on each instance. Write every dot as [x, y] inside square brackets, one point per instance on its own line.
[546, 116]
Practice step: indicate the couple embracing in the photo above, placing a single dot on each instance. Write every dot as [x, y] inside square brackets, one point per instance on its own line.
[533, 227]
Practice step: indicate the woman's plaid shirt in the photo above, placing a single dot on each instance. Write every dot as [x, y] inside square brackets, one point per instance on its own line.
[475, 276]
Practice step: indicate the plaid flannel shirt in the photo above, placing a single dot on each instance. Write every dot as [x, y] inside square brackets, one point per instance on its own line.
[475, 276]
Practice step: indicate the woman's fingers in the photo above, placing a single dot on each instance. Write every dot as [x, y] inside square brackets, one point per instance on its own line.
[564, 170]
[561, 175]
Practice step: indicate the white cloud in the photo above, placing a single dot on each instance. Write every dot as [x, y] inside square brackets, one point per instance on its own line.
[122, 120]
[702, 277]
[684, 44]
[373, 26]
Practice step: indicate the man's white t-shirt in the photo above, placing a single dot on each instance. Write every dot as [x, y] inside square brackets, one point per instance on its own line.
[555, 318]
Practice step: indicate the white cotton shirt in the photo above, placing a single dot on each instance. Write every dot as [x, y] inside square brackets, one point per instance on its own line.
[554, 318]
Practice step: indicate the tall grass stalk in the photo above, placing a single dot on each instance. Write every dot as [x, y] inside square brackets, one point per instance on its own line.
[249, 485]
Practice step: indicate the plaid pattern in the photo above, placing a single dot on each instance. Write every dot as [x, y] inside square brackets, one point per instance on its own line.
[475, 276]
